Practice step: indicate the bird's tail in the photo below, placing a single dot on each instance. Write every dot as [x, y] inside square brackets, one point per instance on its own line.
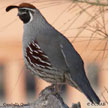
[90, 94]
[84, 86]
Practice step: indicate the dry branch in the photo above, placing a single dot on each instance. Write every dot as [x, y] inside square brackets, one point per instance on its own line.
[94, 2]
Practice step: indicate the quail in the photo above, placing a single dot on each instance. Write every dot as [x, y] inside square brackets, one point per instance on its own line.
[49, 54]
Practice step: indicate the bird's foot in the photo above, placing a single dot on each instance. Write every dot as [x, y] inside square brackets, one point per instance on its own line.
[54, 88]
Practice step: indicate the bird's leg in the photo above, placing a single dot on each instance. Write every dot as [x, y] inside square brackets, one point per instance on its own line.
[54, 90]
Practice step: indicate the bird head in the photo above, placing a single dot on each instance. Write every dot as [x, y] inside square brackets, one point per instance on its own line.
[25, 11]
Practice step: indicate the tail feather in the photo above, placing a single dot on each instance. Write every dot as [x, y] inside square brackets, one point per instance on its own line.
[84, 86]
[90, 94]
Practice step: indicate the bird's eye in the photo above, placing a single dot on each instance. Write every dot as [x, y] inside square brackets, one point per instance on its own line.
[23, 11]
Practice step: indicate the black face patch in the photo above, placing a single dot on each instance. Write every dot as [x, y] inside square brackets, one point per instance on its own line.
[24, 15]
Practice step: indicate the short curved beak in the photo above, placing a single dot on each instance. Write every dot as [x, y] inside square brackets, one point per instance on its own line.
[18, 13]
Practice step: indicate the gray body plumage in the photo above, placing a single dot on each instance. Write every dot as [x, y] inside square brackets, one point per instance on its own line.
[68, 66]
[59, 50]
[49, 54]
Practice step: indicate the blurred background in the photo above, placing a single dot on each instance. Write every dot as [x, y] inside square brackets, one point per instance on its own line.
[83, 22]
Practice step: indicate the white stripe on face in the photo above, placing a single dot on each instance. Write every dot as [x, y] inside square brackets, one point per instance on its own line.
[30, 9]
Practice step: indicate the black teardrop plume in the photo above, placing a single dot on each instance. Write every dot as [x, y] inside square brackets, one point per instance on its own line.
[11, 7]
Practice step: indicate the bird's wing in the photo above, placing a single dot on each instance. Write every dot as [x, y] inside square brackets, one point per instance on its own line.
[71, 57]
[76, 70]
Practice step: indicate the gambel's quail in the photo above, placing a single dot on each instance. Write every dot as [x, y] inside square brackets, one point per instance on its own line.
[49, 54]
